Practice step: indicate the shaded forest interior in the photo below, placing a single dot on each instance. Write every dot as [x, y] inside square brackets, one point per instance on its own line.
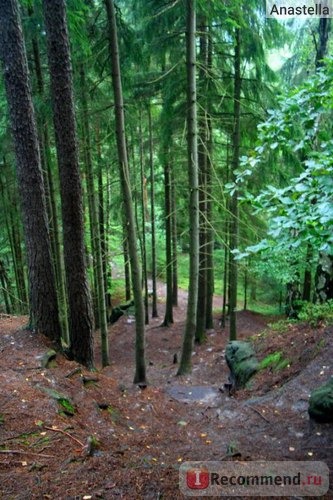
[145, 142]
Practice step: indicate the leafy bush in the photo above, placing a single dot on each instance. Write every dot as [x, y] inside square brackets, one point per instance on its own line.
[317, 314]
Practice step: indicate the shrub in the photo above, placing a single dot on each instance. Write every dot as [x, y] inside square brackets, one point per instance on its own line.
[317, 314]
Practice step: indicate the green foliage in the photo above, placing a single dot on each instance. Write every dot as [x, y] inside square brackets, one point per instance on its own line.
[271, 359]
[114, 413]
[66, 407]
[317, 314]
[275, 360]
[281, 326]
[302, 211]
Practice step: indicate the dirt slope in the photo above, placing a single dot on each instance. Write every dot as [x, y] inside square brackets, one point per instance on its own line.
[143, 436]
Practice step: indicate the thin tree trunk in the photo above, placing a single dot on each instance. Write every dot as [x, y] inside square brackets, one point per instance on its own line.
[168, 316]
[307, 274]
[140, 365]
[200, 332]
[19, 302]
[79, 299]
[101, 216]
[3, 282]
[94, 221]
[225, 292]
[190, 327]
[16, 238]
[233, 267]
[174, 241]
[143, 223]
[225, 284]
[246, 282]
[43, 297]
[209, 203]
[152, 217]
[127, 269]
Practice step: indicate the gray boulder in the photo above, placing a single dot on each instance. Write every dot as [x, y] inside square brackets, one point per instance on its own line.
[242, 363]
[321, 403]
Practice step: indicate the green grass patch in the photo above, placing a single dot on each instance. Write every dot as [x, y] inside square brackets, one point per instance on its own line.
[66, 407]
[282, 326]
[274, 360]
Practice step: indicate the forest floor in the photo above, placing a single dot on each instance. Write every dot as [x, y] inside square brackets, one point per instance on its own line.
[122, 442]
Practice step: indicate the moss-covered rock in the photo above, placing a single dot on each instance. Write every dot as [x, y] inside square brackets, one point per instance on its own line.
[321, 403]
[242, 363]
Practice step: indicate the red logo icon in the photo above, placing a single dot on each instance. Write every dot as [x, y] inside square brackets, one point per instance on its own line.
[197, 479]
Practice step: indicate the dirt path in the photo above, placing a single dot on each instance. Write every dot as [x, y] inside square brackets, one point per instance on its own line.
[143, 436]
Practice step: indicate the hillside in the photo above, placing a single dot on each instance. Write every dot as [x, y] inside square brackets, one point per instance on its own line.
[122, 442]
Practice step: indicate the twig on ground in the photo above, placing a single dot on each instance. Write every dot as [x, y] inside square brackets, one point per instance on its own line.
[73, 372]
[21, 452]
[258, 412]
[66, 434]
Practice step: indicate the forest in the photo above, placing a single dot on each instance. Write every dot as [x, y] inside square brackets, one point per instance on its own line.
[166, 224]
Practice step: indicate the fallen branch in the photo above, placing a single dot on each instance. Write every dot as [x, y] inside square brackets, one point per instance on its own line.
[20, 452]
[258, 412]
[66, 434]
[73, 372]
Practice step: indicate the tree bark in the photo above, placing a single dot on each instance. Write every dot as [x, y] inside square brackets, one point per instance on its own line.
[140, 365]
[174, 241]
[209, 202]
[200, 332]
[94, 222]
[233, 267]
[49, 192]
[152, 216]
[143, 222]
[43, 298]
[168, 316]
[79, 299]
[192, 149]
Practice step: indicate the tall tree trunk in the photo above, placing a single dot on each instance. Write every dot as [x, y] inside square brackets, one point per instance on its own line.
[174, 241]
[50, 195]
[140, 365]
[79, 299]
[209, 202]
[43, 297]
[168, 316]
[324, 271]
[143, 222]
[233, 267]
[127, 269]
[225, 298]
[246, 283]
[94, 221]
[225, 292]
[101, 217]
[192, 148]
[200, 332]
[152, 216]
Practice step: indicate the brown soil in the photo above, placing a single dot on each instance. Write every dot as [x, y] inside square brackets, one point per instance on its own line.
[144, 435]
